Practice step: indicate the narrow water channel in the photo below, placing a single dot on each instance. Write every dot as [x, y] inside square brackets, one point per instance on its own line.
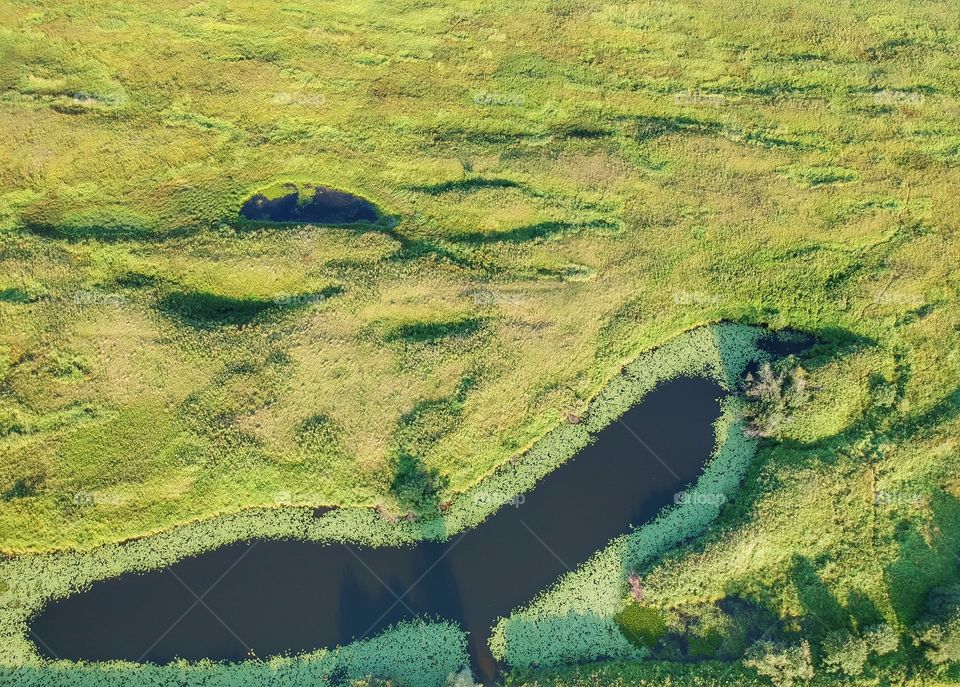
[284, 597]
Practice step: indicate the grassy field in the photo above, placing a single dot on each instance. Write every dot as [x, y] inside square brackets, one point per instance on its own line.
[563, 185]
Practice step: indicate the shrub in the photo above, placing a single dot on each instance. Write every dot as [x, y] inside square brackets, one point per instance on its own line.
[462, 679]
[941, 641]
[882, 639]
[783, 665]
[415, 486]
[773, 394]
[939, 633]
[845, 652]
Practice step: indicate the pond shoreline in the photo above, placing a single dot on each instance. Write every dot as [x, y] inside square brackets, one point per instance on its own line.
[718, 351]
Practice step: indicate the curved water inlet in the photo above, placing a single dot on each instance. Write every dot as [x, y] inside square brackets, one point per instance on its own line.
[271, 597]
[274, 597]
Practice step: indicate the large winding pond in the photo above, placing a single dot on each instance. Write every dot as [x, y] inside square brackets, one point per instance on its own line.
[274, 597]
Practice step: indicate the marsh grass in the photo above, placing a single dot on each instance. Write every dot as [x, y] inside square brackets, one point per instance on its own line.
[697, 165]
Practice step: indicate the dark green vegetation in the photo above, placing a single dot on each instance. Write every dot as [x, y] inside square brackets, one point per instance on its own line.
[572, 183]
[642, 625]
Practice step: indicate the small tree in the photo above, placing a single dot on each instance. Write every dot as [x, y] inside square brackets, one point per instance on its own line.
[845, 652]
[785, 666]
[416, 486]
[773, 395]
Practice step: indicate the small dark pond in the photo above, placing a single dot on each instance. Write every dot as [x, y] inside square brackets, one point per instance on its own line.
[293, 596]
[324, 206]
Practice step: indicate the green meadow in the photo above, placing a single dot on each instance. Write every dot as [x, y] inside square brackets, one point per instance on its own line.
[562, 186]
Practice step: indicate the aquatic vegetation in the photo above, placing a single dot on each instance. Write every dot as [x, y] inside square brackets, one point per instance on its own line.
[585, 603]
[412, 654]
[704, 350]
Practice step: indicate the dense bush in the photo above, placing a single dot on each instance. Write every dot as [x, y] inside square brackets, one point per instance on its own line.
[847, 653]
[416, 487]
[938, 634]
[777, 390]
[785, 666]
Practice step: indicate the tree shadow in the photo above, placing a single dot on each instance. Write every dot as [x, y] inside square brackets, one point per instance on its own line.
[927, 559]
[531, 232]
[822, 612]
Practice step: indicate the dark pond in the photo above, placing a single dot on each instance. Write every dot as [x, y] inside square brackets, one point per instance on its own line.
[289, 596]
[325, 206]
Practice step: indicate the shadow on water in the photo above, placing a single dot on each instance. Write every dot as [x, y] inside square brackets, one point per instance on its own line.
[270, 597]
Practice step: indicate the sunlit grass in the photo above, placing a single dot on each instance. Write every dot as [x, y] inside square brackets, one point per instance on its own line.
[564, 185]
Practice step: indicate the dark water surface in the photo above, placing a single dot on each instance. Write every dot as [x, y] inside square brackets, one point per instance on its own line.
[273, 597]
[326, 206]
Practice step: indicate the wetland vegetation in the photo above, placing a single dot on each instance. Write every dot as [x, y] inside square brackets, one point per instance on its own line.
[466, 222]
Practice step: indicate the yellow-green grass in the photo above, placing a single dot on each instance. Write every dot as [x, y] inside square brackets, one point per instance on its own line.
[577, 182]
